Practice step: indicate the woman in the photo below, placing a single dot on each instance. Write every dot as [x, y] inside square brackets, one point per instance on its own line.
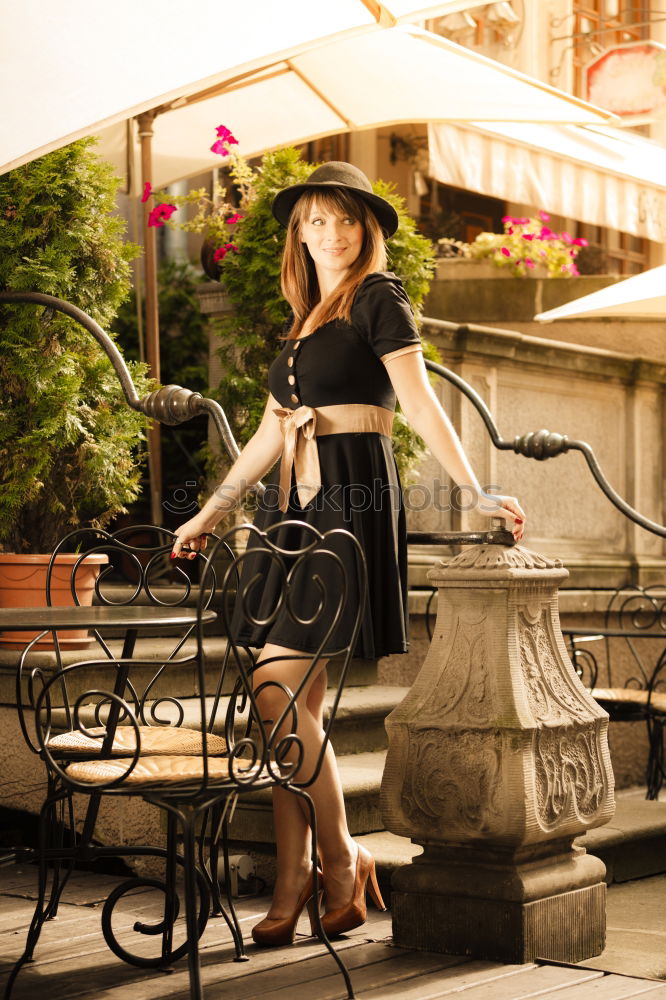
[352, 348]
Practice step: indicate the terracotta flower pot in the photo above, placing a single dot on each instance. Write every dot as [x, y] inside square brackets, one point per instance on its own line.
[23, 585]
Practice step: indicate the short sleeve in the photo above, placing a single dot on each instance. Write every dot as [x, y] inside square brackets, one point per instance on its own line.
[383, 315]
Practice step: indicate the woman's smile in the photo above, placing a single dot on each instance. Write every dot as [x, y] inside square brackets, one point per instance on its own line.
[334, 242]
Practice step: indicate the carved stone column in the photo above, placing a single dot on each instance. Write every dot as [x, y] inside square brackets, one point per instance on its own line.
[498, 758]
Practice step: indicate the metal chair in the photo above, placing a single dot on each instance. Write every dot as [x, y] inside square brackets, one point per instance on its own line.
[106, 745]
[631, 646]
[103, 704]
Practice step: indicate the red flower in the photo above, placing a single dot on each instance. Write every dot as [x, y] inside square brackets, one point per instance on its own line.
[506, 251]
[222, 252]
[233, 219]
[220, 147]
[580, 242]
[225, 135]
[528, 236]
[147, 191]
[160, 214]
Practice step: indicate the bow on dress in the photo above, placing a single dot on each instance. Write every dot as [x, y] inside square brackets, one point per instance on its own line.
[299, 453]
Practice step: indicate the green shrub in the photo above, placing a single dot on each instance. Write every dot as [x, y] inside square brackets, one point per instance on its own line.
[68, 440]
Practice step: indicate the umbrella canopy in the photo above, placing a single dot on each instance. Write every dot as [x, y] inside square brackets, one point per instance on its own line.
[400, 75]
[71, 68]
[642, 296]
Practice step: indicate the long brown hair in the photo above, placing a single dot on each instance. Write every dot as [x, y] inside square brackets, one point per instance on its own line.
[299, 278]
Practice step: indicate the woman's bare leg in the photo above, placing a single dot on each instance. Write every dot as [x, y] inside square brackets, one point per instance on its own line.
[335, 845]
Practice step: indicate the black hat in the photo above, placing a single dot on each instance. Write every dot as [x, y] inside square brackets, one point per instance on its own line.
[337, 175]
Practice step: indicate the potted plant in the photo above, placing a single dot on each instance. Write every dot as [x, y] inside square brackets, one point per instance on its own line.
[527, 247]
[69, 442]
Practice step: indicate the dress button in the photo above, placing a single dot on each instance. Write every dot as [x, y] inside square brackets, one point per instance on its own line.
[291, 380]
[290, 362]
[294, 397]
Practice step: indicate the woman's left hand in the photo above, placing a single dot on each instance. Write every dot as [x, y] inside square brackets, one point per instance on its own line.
[493, 505]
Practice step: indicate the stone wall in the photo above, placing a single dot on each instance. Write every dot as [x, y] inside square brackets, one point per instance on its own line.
[604, 390]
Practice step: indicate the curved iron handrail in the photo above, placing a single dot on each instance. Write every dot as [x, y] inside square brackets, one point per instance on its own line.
[544, 444]
[172, 405]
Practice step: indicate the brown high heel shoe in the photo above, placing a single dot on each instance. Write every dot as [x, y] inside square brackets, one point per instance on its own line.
[355, 913]
[274, 932]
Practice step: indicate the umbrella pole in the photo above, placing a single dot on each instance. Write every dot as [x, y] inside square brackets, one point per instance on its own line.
[145, 122]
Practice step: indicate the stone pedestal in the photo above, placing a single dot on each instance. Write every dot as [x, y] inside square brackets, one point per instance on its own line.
[498, 757]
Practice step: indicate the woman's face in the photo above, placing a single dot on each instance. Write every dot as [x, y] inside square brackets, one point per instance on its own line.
[334, 240]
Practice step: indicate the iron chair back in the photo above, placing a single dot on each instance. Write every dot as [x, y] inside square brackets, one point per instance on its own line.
[237, 750]
[623, 666]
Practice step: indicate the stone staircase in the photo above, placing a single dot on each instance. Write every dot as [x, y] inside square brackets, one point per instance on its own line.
[632, 845]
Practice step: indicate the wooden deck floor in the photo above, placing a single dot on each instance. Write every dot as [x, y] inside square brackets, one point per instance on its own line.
[72, 960]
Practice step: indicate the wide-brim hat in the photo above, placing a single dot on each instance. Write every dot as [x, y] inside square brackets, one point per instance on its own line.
[337, 175]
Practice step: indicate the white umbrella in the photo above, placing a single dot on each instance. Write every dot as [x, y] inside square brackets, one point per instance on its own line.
[642, 296]
[69, 68]
[399, 75]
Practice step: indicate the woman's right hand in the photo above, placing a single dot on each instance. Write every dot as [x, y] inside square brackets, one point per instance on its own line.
[191, 538]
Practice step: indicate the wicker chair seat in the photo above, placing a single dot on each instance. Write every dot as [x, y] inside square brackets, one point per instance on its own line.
[153, 741]
[149, 770]
[637, 697]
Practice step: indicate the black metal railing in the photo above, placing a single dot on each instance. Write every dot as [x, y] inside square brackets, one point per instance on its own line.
[173, 404]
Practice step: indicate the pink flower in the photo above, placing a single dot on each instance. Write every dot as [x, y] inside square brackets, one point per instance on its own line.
[233, 219]
[506, 251]
[546, 233]
[574, 270]
[220, 147]
[225, 135]
[529, 262]
[580, 242]
[159, 215]
[508, 218]
[572, 253]
[528, 236]
[566, 238]
[509, 231]
[544, 216]
[147, 191]
[222, 252]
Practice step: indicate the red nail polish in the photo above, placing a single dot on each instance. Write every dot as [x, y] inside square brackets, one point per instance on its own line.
[173, 555]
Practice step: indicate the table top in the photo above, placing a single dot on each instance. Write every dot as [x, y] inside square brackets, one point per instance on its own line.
[98, 616]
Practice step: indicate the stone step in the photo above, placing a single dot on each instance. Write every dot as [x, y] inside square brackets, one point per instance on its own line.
[177, 681]
[632, 845]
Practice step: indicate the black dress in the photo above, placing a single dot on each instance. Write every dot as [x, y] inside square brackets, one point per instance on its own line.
[340, 363]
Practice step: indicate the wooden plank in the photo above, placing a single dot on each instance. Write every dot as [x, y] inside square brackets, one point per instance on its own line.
[405, 983]
[83, 888]
[453, 981]
[73, 977]
[305, 975]
[611, 987]
[534, 982]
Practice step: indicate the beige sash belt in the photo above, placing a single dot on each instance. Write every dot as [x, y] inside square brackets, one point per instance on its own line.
[301, 426]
